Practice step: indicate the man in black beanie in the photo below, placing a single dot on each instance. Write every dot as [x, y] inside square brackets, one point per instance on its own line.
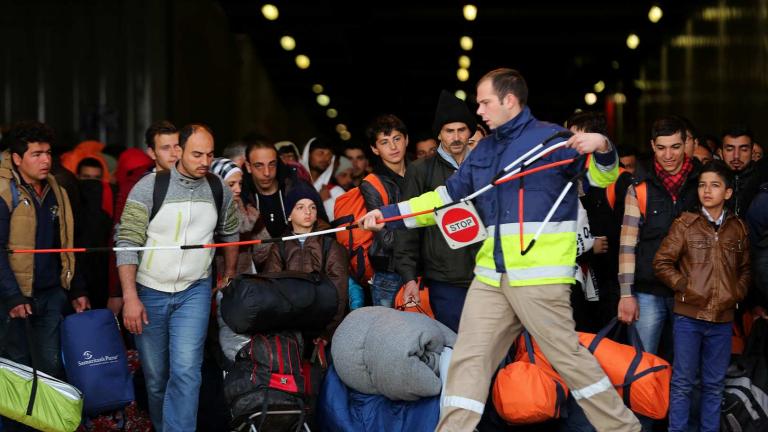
[447, 272]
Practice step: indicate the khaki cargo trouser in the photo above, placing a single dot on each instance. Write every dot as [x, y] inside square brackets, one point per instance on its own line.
[491, 320]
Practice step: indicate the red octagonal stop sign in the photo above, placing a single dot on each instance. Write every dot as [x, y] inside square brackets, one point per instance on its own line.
[460, 225]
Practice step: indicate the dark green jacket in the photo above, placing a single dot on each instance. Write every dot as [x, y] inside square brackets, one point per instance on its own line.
[424, 252]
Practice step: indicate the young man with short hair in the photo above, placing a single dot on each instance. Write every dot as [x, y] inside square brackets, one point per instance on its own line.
[671, 188]
[162, 140]
[167, 293]
[35, 213]
[388, 138]
[736, 150]
[510, 290]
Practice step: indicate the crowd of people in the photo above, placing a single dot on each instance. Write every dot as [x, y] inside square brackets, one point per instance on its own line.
[671, 239]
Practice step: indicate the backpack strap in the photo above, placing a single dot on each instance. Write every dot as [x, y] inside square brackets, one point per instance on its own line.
[375, 181]
[218, 193]
[326, 248]
[162, 180]
[160, 190]
[641, 190]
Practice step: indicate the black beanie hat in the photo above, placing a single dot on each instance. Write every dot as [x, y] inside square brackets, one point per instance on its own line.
[300, 191]
[452, 109]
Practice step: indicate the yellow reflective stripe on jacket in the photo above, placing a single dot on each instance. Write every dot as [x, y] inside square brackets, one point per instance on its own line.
[550, 261]
[602, 176]
[425, 201]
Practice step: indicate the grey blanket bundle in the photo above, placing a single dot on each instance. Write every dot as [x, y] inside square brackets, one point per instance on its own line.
[379, 350]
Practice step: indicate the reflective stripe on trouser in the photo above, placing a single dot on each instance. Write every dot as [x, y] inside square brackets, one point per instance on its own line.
[491, 320]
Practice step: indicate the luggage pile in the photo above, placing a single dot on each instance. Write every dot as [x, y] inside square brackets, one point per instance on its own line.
[263, 320]
[388, 372]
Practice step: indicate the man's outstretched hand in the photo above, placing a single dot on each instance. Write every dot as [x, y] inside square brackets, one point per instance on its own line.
[584, 143]
[368, 222]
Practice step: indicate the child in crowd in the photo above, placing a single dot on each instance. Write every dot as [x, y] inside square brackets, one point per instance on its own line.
[306, 254]
[705, 260]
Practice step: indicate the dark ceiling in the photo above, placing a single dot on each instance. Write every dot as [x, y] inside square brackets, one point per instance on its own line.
[396, 56]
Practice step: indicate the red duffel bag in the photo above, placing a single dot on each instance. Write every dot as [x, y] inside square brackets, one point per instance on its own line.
[641, 378]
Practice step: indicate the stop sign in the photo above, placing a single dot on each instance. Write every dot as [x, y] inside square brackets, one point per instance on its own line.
[460, 225]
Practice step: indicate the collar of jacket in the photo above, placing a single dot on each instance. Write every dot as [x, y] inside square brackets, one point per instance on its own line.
[184, 181]
[740, 176]
[649, 174]
[513, 128]
[690, 217]
[381, 169]
[448, 158]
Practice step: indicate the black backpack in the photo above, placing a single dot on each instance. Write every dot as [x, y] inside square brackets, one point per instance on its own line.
[163, 179]
[745, 398]
[266, 387]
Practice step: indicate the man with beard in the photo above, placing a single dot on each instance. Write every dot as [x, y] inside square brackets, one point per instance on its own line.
[736, 149]
[447, 272]
[167, 293]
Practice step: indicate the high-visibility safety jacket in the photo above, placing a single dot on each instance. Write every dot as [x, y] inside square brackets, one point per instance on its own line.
[552, 258]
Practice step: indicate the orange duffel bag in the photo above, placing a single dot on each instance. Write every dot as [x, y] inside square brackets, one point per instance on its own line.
[641, 378]
[528, 390]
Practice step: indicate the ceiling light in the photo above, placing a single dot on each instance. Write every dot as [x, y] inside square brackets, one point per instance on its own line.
[317, 88]
[302, 61]
[464, 62]
[470, 12]
[345, 136]
[323, 100]
[633, 41]
[341, 127]
[590, 98]
[599, 86]
[270, 12]
[332, 113]
[462, 74]
[288, 43]
[461, 94]
[466, 43]
[655, 14]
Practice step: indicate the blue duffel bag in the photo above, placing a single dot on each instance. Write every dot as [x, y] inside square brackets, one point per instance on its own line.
[340, 409]
[95, 362]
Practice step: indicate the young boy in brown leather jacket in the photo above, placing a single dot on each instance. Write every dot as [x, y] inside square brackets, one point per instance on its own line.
[705, 260]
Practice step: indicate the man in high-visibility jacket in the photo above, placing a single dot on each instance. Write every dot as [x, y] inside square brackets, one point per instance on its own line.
[510, 290]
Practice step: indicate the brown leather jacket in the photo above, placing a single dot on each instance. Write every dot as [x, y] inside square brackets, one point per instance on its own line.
[309, 258]
[708, 270]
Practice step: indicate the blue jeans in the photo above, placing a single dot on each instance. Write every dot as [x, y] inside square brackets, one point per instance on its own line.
[699, 346]
[171, 353]
[384, 286]
[48, 309]
[655, 311]
[447, 302]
